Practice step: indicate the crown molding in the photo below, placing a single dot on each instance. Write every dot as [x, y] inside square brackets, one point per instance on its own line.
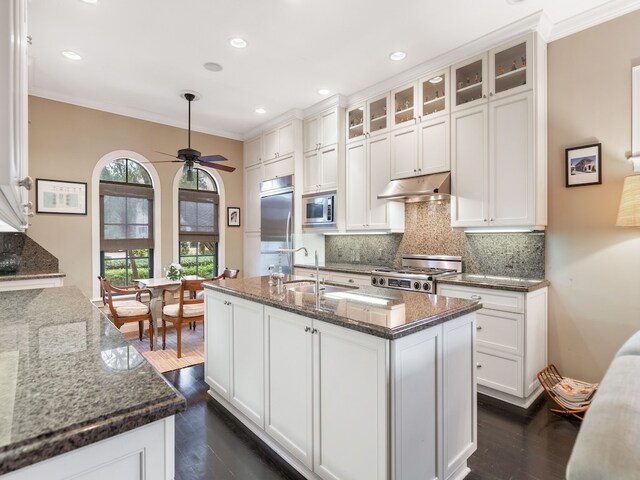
[337, 100]
[130, 112]
[470, 49]
[590, 18]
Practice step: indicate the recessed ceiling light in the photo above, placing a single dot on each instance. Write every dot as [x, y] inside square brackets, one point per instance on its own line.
[238, 42]
[324, 91]
[213, 67]
[435, 79]
[515, 2]
[260, 110]
[90, 2]
[71, 55]
[398, 56]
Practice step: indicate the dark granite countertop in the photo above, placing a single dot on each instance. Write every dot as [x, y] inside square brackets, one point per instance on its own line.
[69, 378]
[30, 276]
[495, 282]
[342, 267]
[382, 312]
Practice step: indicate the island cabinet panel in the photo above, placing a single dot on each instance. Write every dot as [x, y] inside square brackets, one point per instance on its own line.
[288, 383]
[247, 358]
[350, 389]
[217, 359]
[417, 403]
[459, 395]
[141, 454]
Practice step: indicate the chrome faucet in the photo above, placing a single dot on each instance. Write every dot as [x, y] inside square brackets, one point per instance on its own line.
[293, 250]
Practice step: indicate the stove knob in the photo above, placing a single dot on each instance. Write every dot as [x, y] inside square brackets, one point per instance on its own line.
[426, 286]
[416, 285]
[374, 281]
[381, 281]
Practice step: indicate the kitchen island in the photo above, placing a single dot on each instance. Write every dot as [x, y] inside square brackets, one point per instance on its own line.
[368, 384]
[76, 399]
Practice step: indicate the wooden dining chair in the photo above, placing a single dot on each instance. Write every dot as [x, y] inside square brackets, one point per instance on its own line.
[128, 311]
[227, 273]
[187, 310]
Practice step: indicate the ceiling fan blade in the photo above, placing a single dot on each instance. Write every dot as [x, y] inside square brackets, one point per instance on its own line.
[218, 166]
[167, 154]
[166, 161]
[213, 158]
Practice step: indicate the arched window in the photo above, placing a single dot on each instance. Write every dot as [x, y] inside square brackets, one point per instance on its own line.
[199, 233]
[126, 222]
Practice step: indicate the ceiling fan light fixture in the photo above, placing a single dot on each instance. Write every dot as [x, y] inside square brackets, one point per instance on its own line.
[213, 66]
[238, 42]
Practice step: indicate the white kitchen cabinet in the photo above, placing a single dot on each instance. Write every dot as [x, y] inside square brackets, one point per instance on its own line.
[421, 146]
[511, 340]
[368, 119]
[278, 142]
[280, 167]
[234, 359]
[252, 151]
[320, 169]
[369, 160]
[350, 404]
[252, 177]
[217, 339]
[289, 383]
[403, 105]
[321, 130]
[469, 82]
[511, 68]
[247, 358]
[350, 278]
[13, 114]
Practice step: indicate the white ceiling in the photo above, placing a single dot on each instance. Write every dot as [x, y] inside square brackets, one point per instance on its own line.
[139, 54]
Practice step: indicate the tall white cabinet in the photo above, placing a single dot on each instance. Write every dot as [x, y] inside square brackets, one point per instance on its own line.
[499, 137]
[14, 180]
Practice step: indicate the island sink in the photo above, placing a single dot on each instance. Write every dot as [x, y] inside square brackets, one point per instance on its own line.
[305, 286]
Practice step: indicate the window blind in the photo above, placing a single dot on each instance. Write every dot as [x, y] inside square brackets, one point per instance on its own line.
[126, 217]
[198, 216]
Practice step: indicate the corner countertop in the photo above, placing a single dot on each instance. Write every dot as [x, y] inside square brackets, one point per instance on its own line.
[30, 276]
[494, 282]
[69, 378]
[382, 312]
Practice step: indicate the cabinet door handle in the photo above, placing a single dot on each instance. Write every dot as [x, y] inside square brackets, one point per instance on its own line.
[491, 94]
[478, 365]
[307, 329]
[26, 182]
[351, 280]
[491, 220]
[484, 96]
[315, 330]
[478, 327]
[476, 297]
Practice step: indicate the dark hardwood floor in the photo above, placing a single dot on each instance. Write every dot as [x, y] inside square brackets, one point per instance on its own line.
[512, 443]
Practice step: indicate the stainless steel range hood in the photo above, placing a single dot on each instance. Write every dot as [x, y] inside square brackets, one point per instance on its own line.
[436, 186]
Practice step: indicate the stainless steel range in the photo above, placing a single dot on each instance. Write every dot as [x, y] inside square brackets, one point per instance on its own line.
[418, 272]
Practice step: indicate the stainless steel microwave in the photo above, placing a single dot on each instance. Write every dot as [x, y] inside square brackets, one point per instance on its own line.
[319, 210]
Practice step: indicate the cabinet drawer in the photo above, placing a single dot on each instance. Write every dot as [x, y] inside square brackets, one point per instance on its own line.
[351, 279]
[500, 330]
[490, 298]
[500, 372]
[278, 168]
[305, 272]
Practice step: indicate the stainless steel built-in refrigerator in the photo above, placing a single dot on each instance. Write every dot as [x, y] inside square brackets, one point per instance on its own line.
[276, 224]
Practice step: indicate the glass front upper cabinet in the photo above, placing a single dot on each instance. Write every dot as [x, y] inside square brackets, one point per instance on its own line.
[470, 82]
[433, 94]
[377, 110]
[355, 122]
[404, 103]
[511, 68]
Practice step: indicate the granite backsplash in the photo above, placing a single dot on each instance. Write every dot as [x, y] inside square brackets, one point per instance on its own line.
[428, 232]
[34, 259]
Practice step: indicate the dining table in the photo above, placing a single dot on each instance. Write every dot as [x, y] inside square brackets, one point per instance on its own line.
[157, 287]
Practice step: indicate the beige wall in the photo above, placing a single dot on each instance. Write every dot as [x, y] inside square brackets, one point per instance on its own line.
[66, 142]
[593, 266]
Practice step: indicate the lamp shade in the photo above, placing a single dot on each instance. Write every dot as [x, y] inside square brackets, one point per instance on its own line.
[629, 210]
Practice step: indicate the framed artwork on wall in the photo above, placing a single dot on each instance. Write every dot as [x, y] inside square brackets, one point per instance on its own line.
[61, 197]
[233, 216]
[583, 165]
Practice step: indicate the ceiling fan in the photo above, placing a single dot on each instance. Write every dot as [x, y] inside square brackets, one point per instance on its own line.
[190, 156]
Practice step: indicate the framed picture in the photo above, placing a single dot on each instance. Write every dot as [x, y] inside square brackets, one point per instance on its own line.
[55, 196]
[233, 216]
[583, 165]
